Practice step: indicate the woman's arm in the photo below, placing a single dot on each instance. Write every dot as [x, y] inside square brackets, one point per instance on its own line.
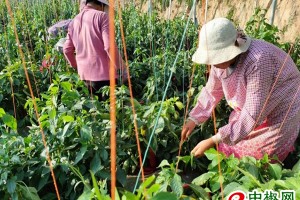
[209, 97]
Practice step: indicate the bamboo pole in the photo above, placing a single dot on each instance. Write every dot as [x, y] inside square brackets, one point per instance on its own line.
[112, 87]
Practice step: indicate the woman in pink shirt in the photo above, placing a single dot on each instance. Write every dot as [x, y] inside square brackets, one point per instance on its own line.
[259, 81]
[87, 46]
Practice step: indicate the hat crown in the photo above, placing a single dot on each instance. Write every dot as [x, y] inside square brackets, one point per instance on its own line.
[220, 41]
[218, 34]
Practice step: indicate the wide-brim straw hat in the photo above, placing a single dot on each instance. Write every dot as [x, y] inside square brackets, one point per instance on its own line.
[218, 42]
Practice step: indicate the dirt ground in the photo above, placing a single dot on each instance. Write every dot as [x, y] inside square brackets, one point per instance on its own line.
[286, 16]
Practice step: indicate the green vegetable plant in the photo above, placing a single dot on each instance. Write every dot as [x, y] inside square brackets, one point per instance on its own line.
[246, 174]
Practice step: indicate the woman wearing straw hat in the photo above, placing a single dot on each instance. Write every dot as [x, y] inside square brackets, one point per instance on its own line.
[261, 84]
[88, 36]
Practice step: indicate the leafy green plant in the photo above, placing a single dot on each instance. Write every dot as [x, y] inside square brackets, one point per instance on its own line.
[245, 174]
[257, 27]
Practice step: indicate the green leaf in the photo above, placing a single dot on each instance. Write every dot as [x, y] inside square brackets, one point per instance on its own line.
[104, 154]
[104, 116]
[86, 133]
[154, 189]
[80, 154]
[43, 117]
[269, 185]
[95, 186]
[148, 181]
[296, 167]
[247, 183]
[68, 118]
[66, 86]
[3, 176]
[15, 159]
[164, 186]
[52, 114]
[136, 103]
[28, 193]
[86, 195]
[216, 182]
[65, 131]
[200, 192]
[44, 179]
[233, 186]
[251, 177]
[11, 185]
[2, 112]
[281, 184]
[164, 196]
[96, 164]
[10, 121]
[164, 163]
[53, 89]
[215, 186]
[297, 194]
[121, 174]
[186, 159]
[252, 169]
[154, 144]
[190, 92]
[160, 125]
[202, 179]
[176, 185]
[70, 97]
[214, 156]
[117, 197]
[149, 111]
[179, 105]
[275, 171]
[78, 106]
[129, 196]
[293, 182]
[232, 162]
[145, 184]
[46, 170]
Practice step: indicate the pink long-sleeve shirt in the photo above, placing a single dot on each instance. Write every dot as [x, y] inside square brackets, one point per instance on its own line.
[246, 90]
[87, 45]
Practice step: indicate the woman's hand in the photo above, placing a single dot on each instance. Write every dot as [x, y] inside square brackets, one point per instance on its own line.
[187, 129]
[202, 146]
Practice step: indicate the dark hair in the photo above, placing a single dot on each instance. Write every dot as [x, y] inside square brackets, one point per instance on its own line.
[95, 2]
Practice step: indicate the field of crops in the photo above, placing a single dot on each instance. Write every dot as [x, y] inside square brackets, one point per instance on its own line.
[55, 138]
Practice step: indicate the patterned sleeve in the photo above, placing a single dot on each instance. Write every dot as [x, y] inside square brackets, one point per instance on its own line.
[259, 79]
[209, 97]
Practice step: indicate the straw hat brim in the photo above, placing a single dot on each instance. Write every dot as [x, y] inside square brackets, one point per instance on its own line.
[212, 57]
[104, 2]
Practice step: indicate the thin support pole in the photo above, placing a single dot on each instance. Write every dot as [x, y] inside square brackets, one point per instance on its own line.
[274, 4]
[163, 99]
[112, 87]
[48, 157]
